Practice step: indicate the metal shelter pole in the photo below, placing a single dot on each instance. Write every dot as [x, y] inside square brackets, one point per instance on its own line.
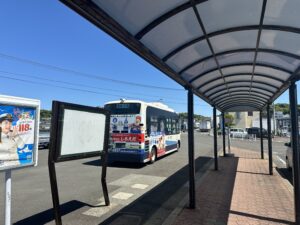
[295, 148]
[215, 138]
[269, 141]
[261, 136]
[223, 131]
[191, 149]
[229, 151]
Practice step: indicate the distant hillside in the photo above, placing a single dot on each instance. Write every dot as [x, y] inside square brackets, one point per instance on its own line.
[184, 115]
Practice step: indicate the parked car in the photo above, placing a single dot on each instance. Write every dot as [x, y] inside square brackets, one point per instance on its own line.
[289, 155]
[44, 139]
[238, 132]
[256, 131]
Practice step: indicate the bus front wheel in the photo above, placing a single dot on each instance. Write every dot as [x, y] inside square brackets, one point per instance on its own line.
[153, 155]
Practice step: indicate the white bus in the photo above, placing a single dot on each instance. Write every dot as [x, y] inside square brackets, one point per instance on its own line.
[141, 132]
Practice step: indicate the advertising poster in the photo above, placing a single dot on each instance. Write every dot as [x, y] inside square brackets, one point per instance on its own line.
[17, 136]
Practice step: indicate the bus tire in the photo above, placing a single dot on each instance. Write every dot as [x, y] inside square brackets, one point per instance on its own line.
[153, 155]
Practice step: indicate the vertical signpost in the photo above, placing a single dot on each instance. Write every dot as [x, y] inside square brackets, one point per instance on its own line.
[19, 125]
[77, 132]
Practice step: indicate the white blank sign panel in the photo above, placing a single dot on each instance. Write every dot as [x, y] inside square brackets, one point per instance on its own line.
[82, 132]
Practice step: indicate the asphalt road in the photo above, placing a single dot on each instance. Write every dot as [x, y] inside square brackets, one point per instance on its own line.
[136, 191]
[80, 186]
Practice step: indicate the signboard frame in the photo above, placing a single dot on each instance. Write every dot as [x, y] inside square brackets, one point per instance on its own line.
[58, 109]
[26, 103]
[57, 121]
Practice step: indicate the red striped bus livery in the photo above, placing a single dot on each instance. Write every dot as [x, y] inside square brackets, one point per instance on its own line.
[141, 132]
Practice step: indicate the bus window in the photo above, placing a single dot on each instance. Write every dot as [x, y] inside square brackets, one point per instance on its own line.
[174, 131]
[153, 124]
[124, 108]
[162, 125]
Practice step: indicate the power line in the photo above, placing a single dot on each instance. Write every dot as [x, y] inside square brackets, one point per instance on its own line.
[77, 84]
[78, 89]
[88, 91]
[77, 73]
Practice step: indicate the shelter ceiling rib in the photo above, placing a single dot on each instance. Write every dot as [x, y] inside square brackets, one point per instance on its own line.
[240, 91]
[245, 99]
[208, 41]
[264, 50]
[264, 100]
[258, 38]
[240, 64]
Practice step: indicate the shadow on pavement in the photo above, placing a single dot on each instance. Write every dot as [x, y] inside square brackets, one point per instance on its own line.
[262, 217]
[128, 165]
[97, 162]
[286, 174]
[48, 215]
[161, 201]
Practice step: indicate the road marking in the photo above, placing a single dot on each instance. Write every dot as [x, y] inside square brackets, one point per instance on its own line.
[100, 210]
[122, 195]
[140, 186]
[281, 160]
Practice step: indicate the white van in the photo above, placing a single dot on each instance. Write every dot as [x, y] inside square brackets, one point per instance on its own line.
[238, 133]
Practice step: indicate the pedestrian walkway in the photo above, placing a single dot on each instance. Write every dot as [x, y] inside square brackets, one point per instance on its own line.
[241, 192]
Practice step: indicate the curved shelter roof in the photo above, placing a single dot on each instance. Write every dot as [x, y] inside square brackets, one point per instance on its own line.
[238, 55]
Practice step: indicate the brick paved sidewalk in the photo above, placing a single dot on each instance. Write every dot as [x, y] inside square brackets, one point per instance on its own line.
[241, 192]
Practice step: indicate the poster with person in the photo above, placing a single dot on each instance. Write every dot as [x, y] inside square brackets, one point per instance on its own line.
[18, 131]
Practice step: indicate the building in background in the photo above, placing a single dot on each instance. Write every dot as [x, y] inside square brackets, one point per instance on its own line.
[244, 119]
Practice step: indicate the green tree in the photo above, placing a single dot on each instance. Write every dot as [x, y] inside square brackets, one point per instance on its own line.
[228, 120]
[45, 114]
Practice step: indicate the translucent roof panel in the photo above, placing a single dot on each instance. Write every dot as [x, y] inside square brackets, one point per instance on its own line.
[271, 71]
[265, 92]
[268, 81]
[218, 15]
[283, 61]
[284, 13]
[222, 93]
[238, 57]
[199, 82]
[237, 84]
[240, 97]
[242, 93]
[264, 87]
[170, 34]
[189, 55]
[237, 69]
[215, 48]
[211, 84]
[210, 75]
[238, 78]
[281, 40]
[241, 109]
[215, 90]
[234, 40]
[136, 14]
[241, 100]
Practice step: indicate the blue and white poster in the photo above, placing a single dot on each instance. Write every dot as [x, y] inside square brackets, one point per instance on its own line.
[17, 135]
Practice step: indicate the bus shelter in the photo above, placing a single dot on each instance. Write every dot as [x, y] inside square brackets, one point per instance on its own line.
[237, 55]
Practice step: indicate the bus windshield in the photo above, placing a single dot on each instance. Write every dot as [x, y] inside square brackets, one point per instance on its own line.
[123, 108]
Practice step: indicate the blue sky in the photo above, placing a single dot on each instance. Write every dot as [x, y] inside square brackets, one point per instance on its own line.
[42, 41]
